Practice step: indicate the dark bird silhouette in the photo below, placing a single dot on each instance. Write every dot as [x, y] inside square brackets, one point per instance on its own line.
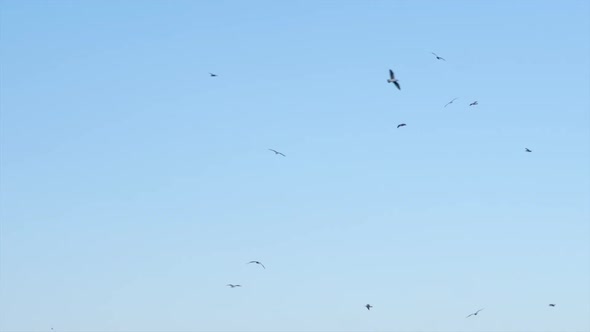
[233, 286]
[393, 80]
[257, 262]
[438, 57]
[552, 304]
[475, 313]
[401, 125]
[473, 104]
[527, 150]
[277, 152]
[450, 102]
[213, 75]
[368, 306]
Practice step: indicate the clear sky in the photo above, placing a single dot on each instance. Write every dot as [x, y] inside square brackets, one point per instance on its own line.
[134, 186]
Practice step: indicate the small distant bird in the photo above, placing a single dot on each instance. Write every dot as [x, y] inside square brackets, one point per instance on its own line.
[551, 304]
[393, 80]
[213, 75]
[233, 286]
[368, 306]
[257, 262]
[473, 104]
[474, 314]
[438, 57]
[401, 125]
[450, 102]
[277, 152]
[527, 150]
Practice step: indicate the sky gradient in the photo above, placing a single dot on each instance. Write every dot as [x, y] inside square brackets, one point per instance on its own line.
[134, 187]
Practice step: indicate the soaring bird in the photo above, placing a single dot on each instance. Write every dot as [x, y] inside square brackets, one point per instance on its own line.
[475, 313]
[527, 150]
[257, 262]
[213, 75]
[277, 152]
[393, 80]
[401, 125]
[450, 102]
[473, 104]
[368, 306]
[438, 57]
[552, 304]
[233, 286]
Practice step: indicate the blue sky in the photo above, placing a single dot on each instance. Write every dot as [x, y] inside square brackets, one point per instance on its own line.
[134, 186]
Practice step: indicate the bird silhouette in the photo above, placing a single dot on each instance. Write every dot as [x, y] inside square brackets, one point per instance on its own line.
[473, 104]
[233, 286]
[393, 80]
[213, 75]
[450, 102]
[368, 306]
[277, 152]
[552, 304]
[438, 57]
[527, 150]
[401, 125]
[475, 313]
[257, 262]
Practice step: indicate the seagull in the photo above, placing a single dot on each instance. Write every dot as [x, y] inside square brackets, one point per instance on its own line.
[527, 150]
[450, 102]
[475, 313]
[438, 57]
[393, 80]
[257, 262]
[551, 304]
[401, 125]
[213, 75]
[233, 286]
[277, 152]
[368, 306]
[473, 104]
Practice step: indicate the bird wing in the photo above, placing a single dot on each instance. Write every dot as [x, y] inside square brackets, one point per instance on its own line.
[282, 154]
[469, 315]
[397, 85]
[250, 262]
[450, 102]
[262, 265]
[391, 74]
[434, 54]
[273, 150]
[479, 310]
[443, 59]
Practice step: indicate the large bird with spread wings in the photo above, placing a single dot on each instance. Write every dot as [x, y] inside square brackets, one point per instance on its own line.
[393, 80]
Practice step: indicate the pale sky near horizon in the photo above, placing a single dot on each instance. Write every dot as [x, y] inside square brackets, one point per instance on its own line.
[134, 186]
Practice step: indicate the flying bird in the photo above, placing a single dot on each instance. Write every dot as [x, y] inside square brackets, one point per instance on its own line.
[527, 150]
[438, 57]
[277, 152]
[551, 304]
[450, 102]
[213, 75]
[474, 314]
[233, 286]
[368, 306]
[401, 125]
[473, 104]
[393, 80]
[257, 262]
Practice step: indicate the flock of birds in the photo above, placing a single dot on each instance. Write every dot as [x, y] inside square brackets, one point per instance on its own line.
[392, 79]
